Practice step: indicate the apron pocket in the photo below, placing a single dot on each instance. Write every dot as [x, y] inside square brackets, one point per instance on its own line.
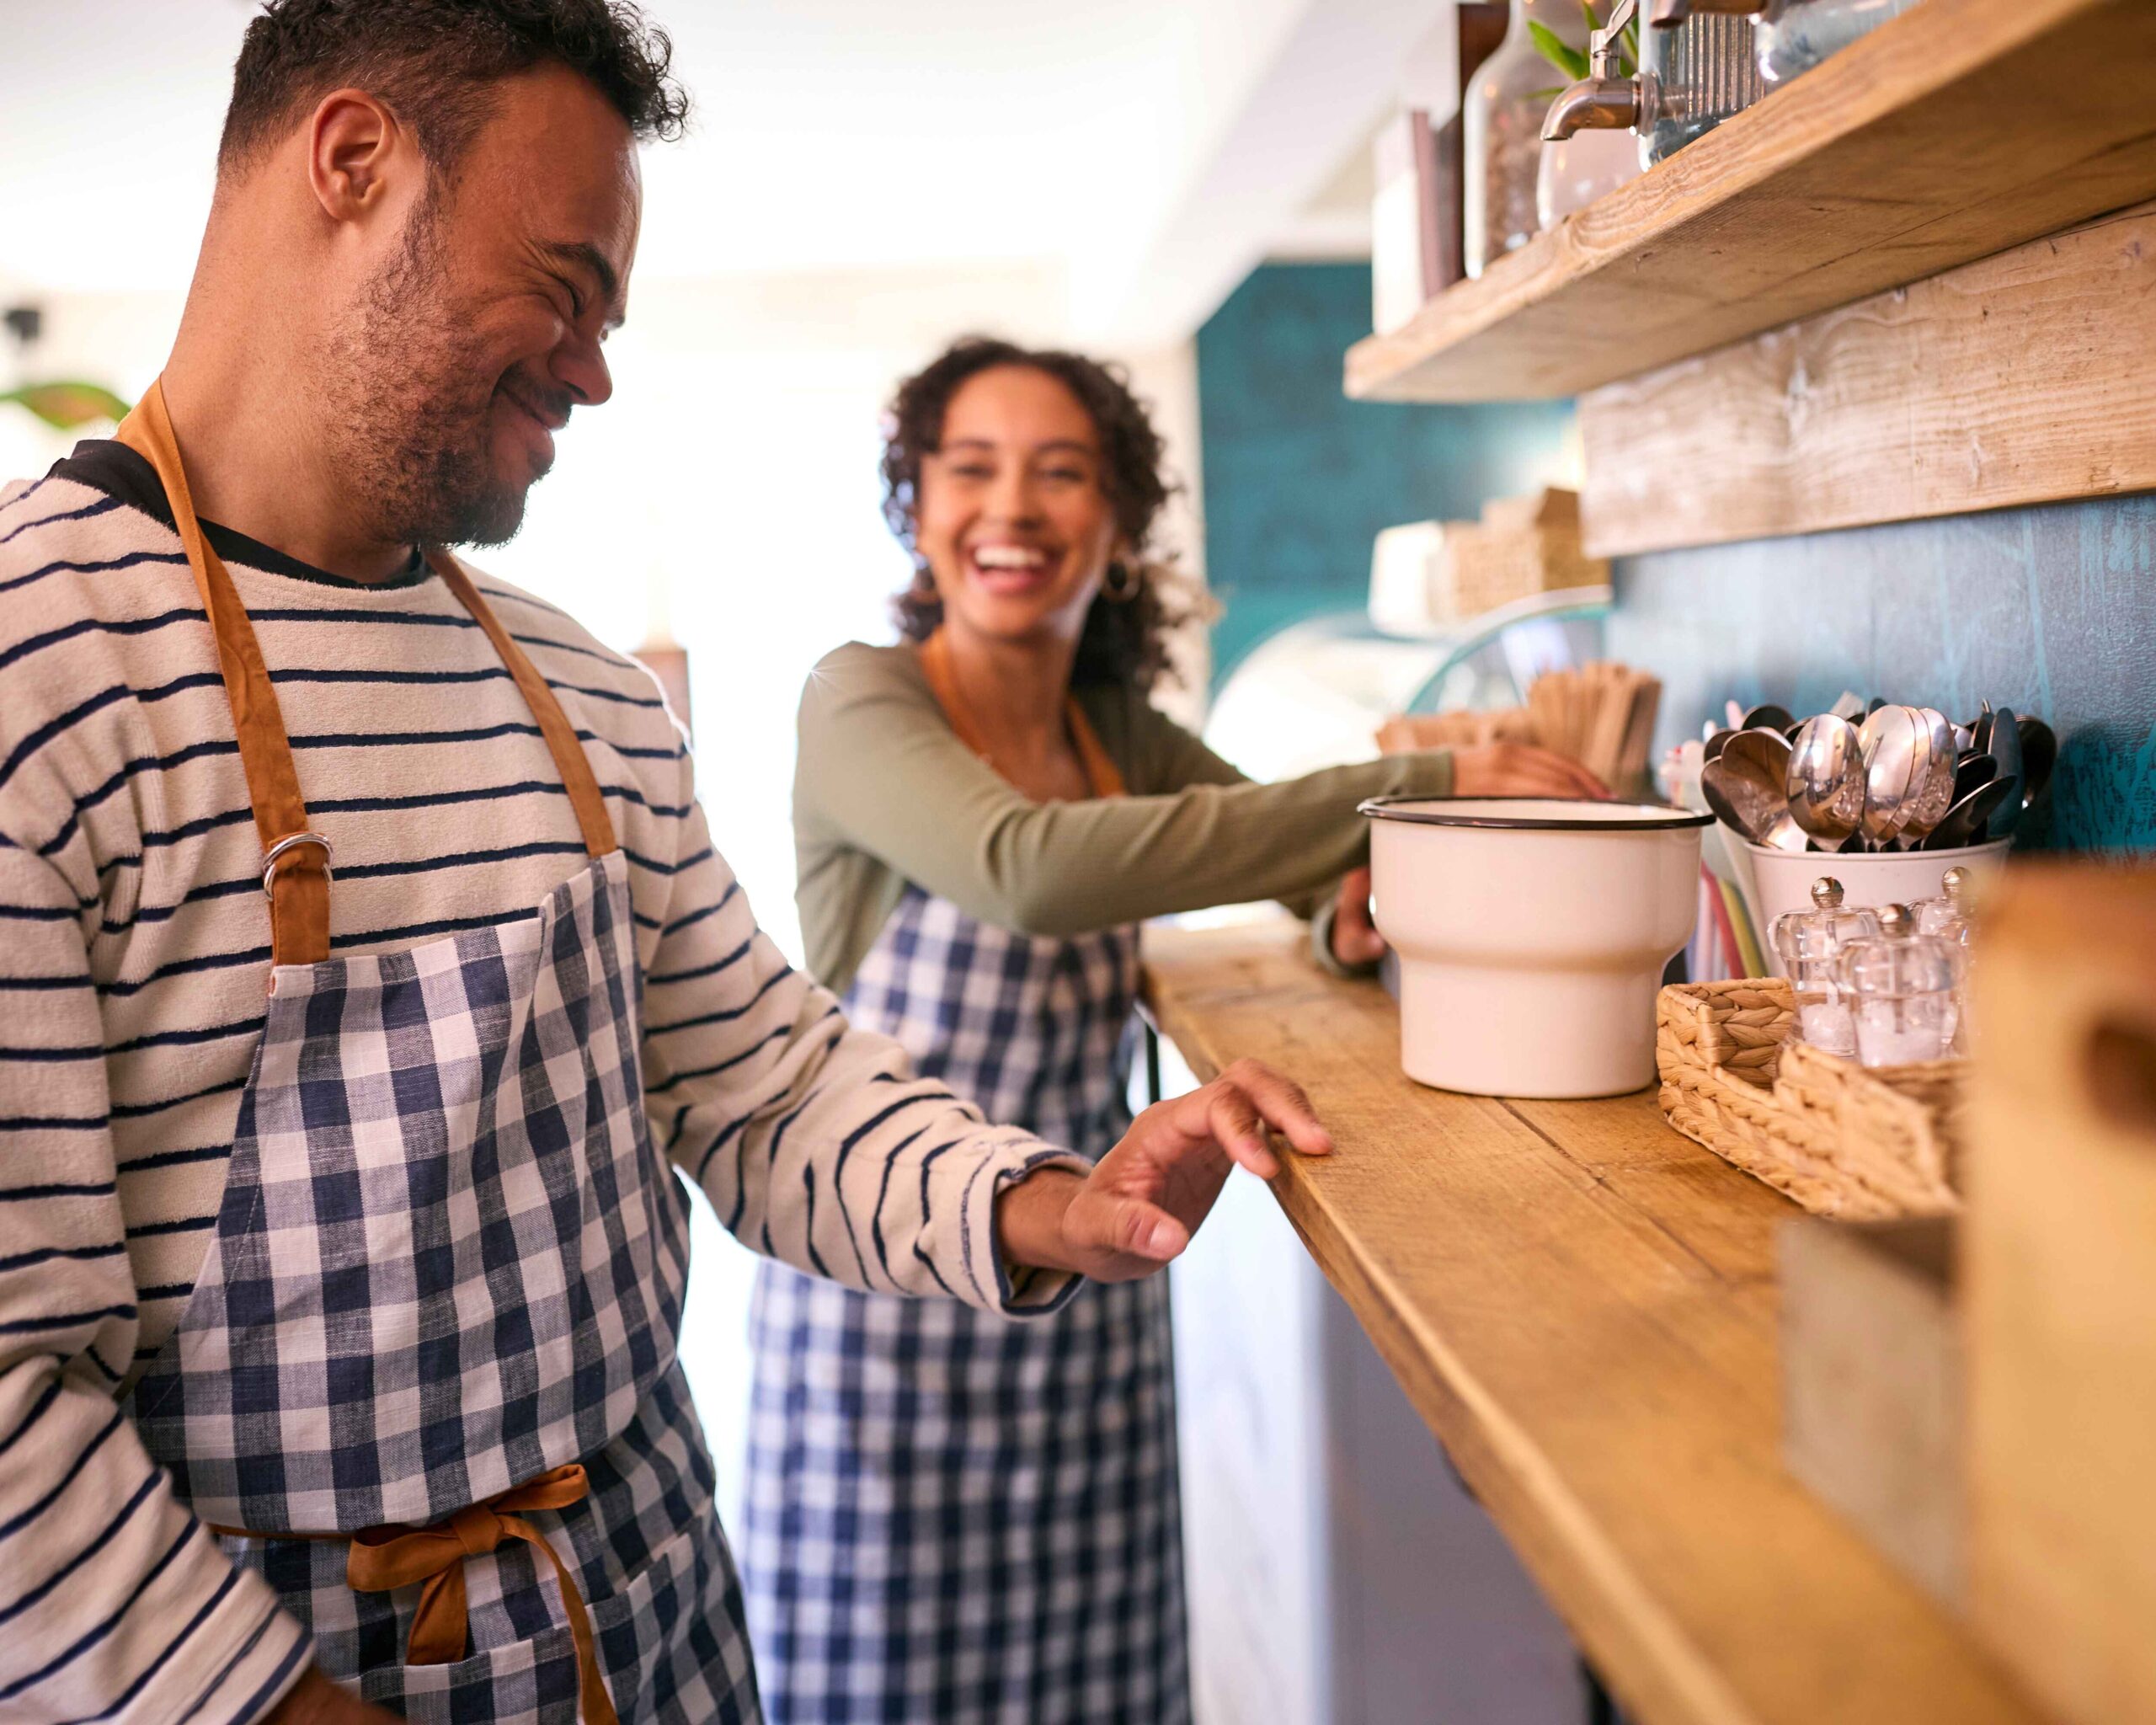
[534, 1681]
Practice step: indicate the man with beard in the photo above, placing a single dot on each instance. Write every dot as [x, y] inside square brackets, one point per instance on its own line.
[369, 963]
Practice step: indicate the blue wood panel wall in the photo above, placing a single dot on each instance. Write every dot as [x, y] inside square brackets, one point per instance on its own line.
[2049, 611]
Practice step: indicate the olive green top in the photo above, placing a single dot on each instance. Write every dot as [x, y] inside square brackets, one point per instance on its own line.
[884, 794]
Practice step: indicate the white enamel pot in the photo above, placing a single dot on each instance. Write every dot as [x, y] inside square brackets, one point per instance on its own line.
[1531, 935]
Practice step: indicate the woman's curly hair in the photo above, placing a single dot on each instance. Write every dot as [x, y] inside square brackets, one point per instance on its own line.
[1124, 640]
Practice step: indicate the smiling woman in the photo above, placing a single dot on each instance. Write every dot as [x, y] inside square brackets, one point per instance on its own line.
[951, 1523]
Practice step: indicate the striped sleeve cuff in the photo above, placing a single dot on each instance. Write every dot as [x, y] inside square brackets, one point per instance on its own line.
[1014, 1290]
[251, 1666]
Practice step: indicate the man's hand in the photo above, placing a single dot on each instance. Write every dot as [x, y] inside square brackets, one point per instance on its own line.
[1355, 938]
[1521, 769]
[316, 1700]
[1144, 1198]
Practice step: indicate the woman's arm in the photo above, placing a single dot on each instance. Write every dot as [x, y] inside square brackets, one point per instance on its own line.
[1167, 757]
[881, 771]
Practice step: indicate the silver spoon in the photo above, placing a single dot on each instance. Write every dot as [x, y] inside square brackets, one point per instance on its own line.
[1931, 791]
[1973, 770]
[1967, 818]
[2039, 756]
[1826, 779]
[2005, 749]
[1890, 738]
[1752, 770]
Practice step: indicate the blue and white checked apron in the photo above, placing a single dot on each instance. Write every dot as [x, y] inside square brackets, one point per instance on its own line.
[440, 1306]
[953, 1519]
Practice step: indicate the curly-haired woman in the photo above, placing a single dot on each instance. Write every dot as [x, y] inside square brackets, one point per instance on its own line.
[953, 1520]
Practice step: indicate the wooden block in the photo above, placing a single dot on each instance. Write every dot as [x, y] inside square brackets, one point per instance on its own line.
[1871, 1386]
[2060, 1240]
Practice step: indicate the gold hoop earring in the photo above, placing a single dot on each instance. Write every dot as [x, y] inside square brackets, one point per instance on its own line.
[1123, 582]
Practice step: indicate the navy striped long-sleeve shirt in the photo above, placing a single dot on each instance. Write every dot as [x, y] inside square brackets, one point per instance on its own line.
[134, 946]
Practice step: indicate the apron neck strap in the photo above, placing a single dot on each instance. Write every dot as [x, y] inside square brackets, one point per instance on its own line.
[295, 858]
[586, 798]
[1101, 772]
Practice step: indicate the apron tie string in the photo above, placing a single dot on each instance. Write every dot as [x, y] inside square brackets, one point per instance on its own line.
[432, 1559]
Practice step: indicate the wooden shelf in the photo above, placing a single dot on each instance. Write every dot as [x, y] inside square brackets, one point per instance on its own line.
[1961, 129]
[1582, 1306]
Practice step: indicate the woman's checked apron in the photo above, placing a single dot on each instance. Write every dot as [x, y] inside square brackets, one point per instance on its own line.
[426, 1381]
[953, 1519]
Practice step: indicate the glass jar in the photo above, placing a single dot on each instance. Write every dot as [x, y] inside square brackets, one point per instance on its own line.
[1901, 987]
[1576, 170]
[1693, 76]
[1795, 35]
[1501, 130]
[1811, 944]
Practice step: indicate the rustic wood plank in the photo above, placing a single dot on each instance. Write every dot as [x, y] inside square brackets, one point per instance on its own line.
[2023, 378]
[1960, 129]
[2061, 1320]
[1534, 1275]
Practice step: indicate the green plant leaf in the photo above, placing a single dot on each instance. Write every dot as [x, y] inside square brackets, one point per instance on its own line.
[66, 404]
[1566, 58]
[1587, 8]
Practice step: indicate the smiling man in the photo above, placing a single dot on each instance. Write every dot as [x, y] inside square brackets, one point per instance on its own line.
[372, 978]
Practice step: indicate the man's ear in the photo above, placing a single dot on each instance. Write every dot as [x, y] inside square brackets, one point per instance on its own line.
[356, 156]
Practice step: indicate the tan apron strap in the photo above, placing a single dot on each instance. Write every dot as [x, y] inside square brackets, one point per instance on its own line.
[1101, 772]
[295, 861]
[583, 784]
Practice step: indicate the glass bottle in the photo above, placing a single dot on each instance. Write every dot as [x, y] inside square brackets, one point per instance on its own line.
[1795, 35]
[1501, 130]
[1693, 76]
[1811, 944]
[1901, 986]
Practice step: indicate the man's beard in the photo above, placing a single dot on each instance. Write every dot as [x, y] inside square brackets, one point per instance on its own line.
[408, 395]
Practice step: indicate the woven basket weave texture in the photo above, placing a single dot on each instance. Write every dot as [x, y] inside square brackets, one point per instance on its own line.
[1841, 1139]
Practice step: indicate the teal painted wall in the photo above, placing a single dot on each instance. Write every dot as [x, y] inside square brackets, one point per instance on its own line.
[1298, 479]
[2048, 611]
[2051, 610]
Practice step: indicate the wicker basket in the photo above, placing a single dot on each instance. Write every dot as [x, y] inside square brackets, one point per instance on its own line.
[1841, 1139]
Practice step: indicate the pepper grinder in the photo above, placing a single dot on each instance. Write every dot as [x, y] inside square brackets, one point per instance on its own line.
[1811, 944]
[1900, 986]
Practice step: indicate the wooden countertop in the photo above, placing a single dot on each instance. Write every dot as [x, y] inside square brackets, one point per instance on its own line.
[1582, 1305]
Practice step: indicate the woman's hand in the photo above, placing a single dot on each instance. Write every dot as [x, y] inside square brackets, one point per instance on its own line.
[1521, 769]
[1144, 1198]
[1355, 939]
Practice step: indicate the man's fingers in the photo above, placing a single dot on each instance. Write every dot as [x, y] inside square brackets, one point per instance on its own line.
[1281, 1103]
[1238, 1129]
[1131, 1227]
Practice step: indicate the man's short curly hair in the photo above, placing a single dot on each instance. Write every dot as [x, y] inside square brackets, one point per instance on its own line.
[431, 62]
[1124, 640]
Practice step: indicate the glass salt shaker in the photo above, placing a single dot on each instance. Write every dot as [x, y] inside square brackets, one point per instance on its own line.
[1811, 944]
[1947, 918]
[1901, 987]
